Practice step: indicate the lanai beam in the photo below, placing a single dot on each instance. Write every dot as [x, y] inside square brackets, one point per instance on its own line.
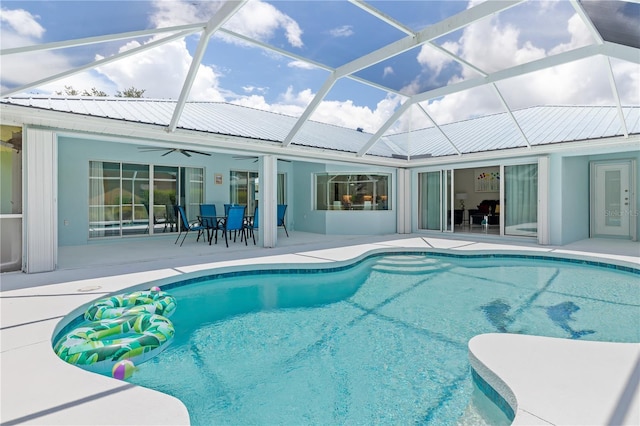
[99, 39]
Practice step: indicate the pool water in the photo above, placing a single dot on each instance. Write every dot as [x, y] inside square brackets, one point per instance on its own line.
[382, 342]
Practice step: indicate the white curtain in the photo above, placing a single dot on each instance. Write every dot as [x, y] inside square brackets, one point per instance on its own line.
[429, 200]
[280, 193]
[193, 196]
[521, 199]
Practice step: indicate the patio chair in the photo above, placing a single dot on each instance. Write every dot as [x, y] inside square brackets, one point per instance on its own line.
[150, 214]
[170, 220]
[254, 224]
[209, 220]
[186, 226]
[235, 221]
[282, 209]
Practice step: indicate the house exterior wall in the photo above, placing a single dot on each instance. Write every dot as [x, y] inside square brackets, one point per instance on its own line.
[567, 201]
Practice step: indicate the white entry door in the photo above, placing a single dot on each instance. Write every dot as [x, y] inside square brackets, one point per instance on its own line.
[611, 189]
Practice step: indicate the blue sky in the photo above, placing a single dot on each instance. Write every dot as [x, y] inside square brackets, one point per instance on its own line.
[329, 32]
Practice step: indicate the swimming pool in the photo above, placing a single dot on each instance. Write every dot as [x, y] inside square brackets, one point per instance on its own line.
[382, 341]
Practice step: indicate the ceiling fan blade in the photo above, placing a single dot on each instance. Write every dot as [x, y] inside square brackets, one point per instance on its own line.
[169, 152]
[197, 152]
[150, 148]
[184, 151]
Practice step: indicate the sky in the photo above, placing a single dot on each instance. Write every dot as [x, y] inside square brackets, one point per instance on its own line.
[331, 33]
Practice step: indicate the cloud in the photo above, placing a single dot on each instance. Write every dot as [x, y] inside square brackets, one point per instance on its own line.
[20, 28]
[301, 65]
[343, 31]
[22, 22]
[388, 71]
[171, 13]
[577, 83]
[339, 113]
[252, 89]
[161, 72]
[261, 20]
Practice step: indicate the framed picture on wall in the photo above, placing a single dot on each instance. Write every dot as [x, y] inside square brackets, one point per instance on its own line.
[217, 178]
[487, 180]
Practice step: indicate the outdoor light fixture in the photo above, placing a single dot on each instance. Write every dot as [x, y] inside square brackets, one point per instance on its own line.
[461, 196]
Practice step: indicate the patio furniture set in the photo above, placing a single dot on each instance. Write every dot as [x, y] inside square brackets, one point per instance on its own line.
[234, 220]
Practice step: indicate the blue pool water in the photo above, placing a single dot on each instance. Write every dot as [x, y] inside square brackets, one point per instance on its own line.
[382, 342]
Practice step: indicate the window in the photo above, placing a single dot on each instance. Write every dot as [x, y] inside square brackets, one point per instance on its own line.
[352, 191]
[121, 201]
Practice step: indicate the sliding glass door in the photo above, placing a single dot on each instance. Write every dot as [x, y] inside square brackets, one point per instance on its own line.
[122, 202]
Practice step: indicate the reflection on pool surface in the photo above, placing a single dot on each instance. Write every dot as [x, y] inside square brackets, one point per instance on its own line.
[382, 342]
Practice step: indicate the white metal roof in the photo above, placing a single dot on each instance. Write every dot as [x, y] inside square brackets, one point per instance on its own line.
[539, 125]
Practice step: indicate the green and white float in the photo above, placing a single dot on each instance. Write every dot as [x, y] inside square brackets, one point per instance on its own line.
[132, 326]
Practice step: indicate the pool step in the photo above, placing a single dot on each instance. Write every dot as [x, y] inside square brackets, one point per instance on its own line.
[409, 265]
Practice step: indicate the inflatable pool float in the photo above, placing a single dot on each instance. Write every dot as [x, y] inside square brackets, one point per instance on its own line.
[99, 345]
[152, 302]
[130, 326]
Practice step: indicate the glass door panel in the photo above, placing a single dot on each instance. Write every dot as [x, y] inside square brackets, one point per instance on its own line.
[165, 194]
[447, 190]
[104, 199]
[244, 189]
[521, 200]
[135, 199]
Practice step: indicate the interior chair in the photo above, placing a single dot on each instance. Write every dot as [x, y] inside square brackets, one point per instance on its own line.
[186, 226]
[282, 209]
[209, 221]
[235, 221]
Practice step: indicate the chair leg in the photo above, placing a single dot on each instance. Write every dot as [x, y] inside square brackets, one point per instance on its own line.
[178, 237]
[226, 239]
[184, 238]
[285, 230]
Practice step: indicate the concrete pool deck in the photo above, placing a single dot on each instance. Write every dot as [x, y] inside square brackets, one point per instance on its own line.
[554, 381]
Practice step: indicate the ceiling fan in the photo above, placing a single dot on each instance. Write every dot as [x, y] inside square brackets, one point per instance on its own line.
[15, 142]
[186, 152]
[254, 158]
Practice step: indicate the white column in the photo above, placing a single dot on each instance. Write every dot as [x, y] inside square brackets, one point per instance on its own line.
[403, 201]
[40, 213]
[268, 201]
